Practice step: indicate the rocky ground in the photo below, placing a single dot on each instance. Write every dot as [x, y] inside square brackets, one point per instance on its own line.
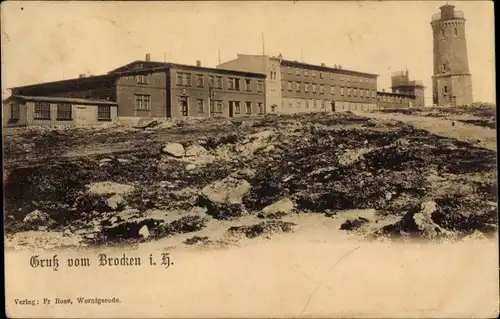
[218, 182]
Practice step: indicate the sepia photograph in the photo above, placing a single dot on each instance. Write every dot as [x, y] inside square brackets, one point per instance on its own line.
[249, 159]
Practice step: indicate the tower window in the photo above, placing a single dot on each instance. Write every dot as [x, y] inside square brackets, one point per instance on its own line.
[445, 89]
[442, 33]
[456, 31]
[445, 67]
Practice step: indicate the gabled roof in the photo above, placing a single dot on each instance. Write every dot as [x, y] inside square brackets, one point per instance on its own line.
[106, 78]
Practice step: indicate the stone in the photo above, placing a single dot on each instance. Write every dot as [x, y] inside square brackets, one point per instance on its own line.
[115, 201]
[284, 205]
[190, 167]
[37, 218]
[195, 150]
[229, 190]
[109, 188]
[144, 231]
[174, 149]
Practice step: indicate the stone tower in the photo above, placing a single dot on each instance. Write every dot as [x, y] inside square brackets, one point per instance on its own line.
[451, 82]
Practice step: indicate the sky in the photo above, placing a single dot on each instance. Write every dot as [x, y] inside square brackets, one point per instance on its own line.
[50, 41]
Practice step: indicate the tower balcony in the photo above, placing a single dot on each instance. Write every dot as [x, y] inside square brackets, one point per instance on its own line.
[457, 14]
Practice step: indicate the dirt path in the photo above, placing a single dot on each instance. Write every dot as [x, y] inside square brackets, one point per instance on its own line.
[480, 136]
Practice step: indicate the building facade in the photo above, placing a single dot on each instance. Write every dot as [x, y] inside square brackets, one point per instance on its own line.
[295, 87]
[393, 100]
[451, 82]
[21, 110]
[414, 89]
[145, 89]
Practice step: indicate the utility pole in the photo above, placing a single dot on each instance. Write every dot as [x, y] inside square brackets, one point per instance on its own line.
[219, 55]
[263, 48]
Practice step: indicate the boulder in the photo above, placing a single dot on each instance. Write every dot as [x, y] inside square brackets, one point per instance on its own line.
[109, 188]
[115, 201]
[195, 150]
[284, 205]
[174, 149]
[36, 218]
[190, 167]
[144, 231]
[228, 190]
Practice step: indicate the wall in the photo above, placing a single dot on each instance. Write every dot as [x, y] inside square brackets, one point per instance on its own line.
[127, 87]
[327, 79]
[393, 101]
[6, 115]
[194, 92]
[462, 89]
[87, 115]
[261, 64]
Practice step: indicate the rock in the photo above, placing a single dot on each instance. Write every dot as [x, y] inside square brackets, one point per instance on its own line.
[402, 142]
[174, 149]
[109, 188]
[229, 190]
[254, 142]
[388, 196]
[197, 240]
[190, 167]
[144, 231]
[36, 218]
[115, 201]
[263, 228]
[195, 150]
[352, 224]
[284, 205]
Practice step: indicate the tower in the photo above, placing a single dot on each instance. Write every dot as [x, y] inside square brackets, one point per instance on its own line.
[451, 82]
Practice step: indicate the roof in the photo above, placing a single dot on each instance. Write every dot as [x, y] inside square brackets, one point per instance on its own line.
[303, 65]
[61, 100]
[77, 81]
[162, 66]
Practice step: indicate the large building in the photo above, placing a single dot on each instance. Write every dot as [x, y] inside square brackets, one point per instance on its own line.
[451, 82]
[143, 89]
[401, 84]
[295, 87]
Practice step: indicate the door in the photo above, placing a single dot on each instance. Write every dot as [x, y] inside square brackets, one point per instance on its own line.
[333, 106]
[184, 106]
[80, 116]
[231, 109]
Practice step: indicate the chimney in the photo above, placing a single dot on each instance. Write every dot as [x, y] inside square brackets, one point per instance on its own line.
[340, 67]
[335, 66]
[82, 75]
[322, 64]
[148, 57]
[198, 63]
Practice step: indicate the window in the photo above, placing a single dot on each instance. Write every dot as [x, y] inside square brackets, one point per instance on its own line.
[342, 91]
[321, 89]
[298, 104]
[211, 81]
[348, 92]
[218, 106]
[249, 107]
[306, 73]
[307, 104]
[315, 103]
[64, 111]
[236, 106]
[290, 71]
[142, 102]
[332, 89]
[141, 79]
[445, 89]
[14, 111]
[373, 94]
[332, 76]
[455, 31]
[261, 107]
[322, 104]
[442, 33]
[306, 87]
[183, 79]
[200, 80]
[445, 67]
[298, 86]
[248, 86]
[42, 111]
[360, 92]
[314, 88]
[103, 113]
[200, 106]
[282, 86]
[289, 86]
[320, 75]
[260, 86]
[218, 82]
[233, 84]
[297, 72]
